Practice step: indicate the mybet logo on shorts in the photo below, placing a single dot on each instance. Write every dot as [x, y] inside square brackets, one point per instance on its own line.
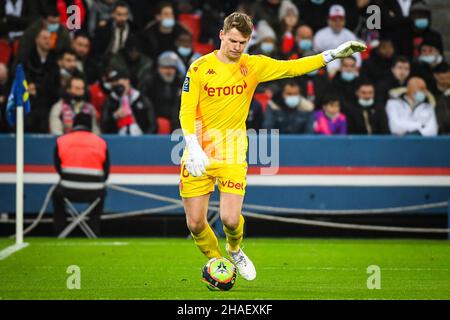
[232, 185]
[225, 91]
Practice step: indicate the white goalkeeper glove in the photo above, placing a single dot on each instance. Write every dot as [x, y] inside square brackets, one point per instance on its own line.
[196, 159]
[344, 50]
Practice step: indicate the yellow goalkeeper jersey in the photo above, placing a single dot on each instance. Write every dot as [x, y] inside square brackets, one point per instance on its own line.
[216, 97]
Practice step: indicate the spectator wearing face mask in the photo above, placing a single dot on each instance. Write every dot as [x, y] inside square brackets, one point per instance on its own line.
[99, 91]
[413, 111]
[289, 111]
[379, 64]
[59, 36]
[160, 34]
[126, 111]
[334, 35]
[364, 116]
[133, 60]
[72, 102]
[429, 58]
[163, 89]
[185, 52]
[345, 80]
[397, 78]
[421, 18]
[266, 45]
[330, 120]
[267, 41]
[303, 44]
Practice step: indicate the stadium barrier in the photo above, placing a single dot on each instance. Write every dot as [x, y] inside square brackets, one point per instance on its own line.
[317, 175]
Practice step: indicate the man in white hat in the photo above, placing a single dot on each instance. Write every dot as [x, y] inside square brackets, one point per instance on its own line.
[334, 35]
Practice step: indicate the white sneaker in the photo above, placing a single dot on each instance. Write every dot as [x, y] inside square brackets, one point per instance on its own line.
[243, 263]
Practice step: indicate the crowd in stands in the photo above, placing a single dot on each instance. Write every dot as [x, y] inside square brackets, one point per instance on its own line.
[125, 64]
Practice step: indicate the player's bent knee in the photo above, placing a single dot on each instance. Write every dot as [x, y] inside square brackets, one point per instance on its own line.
[196, 226]
[231, 223]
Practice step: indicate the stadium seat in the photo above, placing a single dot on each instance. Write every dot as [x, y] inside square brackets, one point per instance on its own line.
[164, 126]
[5, 51]
[192, 23]
[203, 48]
[263, 98]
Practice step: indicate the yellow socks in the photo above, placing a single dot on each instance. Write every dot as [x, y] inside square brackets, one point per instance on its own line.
[234, 237]
[207, 242]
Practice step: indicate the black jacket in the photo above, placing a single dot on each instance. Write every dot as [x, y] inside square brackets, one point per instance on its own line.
[165, 97]
[154, 42]
[361, 120]
[142, 110]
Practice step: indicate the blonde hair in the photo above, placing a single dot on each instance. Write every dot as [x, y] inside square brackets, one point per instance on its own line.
[240, 21]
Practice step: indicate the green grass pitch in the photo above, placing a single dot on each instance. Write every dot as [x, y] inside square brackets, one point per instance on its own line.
[171, 269]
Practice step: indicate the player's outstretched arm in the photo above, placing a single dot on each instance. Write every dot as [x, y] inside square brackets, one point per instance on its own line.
[344, 50]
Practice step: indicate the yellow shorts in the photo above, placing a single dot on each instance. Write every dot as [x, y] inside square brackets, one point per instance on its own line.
[231, 178]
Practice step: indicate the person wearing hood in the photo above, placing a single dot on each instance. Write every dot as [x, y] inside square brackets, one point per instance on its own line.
[364, 116]
[266, 45]
[267, 41]
[289, 111]
[72, 102]
[163, 88]
[126, 111]
[289, 18]
[413, 111]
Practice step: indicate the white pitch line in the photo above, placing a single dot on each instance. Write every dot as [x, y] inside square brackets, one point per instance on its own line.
[80, 244]
[5, 253]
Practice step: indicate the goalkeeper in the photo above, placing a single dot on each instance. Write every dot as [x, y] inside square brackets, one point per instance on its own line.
[216, 96]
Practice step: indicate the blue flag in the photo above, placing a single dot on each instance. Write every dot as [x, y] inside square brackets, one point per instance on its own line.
[18, 97]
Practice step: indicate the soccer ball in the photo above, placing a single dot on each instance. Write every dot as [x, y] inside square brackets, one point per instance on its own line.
[219, 274]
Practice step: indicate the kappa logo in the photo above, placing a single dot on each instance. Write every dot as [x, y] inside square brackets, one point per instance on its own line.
[211, 71]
